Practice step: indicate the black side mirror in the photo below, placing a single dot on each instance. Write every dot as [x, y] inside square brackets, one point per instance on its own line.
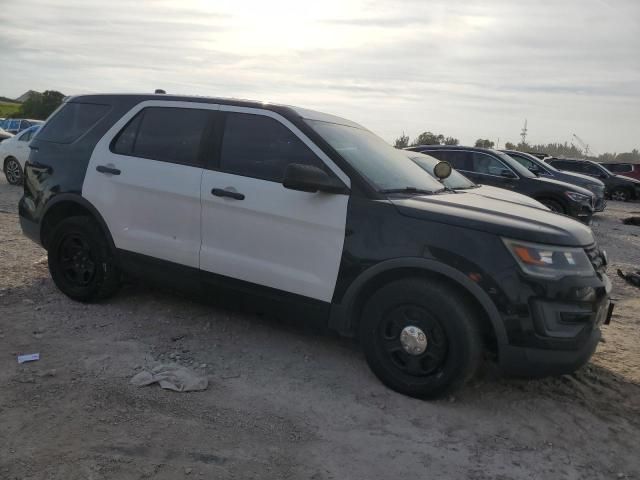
[307, 178]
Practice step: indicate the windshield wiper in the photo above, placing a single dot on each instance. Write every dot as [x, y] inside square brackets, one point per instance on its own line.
[414, 190]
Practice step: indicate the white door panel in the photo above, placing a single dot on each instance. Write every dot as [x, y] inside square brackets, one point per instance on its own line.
[275, 237]
[152, 207]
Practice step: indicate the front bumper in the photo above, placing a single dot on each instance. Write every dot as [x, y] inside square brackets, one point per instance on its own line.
[556, 327]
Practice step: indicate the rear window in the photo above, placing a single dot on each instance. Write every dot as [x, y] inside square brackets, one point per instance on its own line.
[72, 121]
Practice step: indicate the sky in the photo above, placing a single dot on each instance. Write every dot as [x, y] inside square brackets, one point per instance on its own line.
[464, 68]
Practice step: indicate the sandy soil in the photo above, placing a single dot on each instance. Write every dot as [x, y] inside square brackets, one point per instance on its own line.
[285, 401]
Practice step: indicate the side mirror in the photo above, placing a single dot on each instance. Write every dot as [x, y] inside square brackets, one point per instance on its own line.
[507, 173]
[442, 170]
[534, 169]
[307, 178]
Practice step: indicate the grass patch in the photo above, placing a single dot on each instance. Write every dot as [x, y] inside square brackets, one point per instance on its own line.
[7, 109]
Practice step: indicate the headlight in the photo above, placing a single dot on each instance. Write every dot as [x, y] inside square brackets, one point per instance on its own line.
[578, 197]
[544, 261]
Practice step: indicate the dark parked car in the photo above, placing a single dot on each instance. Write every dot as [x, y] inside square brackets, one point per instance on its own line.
[618, 187]
[542, 169]
[491, 167]
[631, 170]
[312, 212]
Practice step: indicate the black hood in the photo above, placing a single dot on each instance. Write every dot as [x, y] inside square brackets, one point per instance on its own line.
[582, 179]
[498, 217]
[628, 179]
[567, 186]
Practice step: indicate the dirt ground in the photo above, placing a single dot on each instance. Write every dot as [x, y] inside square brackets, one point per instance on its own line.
[285, 401]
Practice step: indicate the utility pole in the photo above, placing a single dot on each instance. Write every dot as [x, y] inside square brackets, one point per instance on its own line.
[523, 134]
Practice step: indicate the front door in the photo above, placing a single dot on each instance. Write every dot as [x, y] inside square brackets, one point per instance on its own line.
[256, 230]
[144, 178]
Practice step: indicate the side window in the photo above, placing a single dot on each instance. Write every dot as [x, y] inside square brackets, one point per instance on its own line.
[483, 163]
[261, 147]
[591, 169]
[525, 162]
[166, 134]
[564, 165]
[459, 160]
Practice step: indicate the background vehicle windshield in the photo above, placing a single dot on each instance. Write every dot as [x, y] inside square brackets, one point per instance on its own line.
[384, 166]
[455, 181]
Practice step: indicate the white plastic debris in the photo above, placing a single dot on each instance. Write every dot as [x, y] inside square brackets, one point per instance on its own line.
[31, 357]
[172, 377]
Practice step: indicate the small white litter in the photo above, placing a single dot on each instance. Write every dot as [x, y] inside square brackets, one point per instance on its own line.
[31, 357]
[172, 377]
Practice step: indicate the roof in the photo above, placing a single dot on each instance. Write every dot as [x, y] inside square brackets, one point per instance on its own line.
[305, 113]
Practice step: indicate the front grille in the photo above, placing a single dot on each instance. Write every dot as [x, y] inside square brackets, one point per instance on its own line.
[596, 258]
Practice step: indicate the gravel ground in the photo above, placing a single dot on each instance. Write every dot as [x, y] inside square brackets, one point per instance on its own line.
[285, 401]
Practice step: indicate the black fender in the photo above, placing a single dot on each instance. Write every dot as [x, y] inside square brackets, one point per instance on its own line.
[83, 202]
[341, 314]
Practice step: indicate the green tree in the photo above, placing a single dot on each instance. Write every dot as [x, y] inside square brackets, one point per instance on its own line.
[509, 146]
[40, 105]
[451, 141]
[630, 157]
[484, 143]
[402, 141]
[428, 138]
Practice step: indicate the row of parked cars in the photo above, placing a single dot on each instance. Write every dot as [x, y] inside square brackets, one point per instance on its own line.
[312, 214]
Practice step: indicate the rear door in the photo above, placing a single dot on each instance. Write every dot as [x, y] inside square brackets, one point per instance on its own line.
[144, 178]
[254, 229]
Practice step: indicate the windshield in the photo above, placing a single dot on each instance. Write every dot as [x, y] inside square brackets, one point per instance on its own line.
[385, 167]
[455, 181]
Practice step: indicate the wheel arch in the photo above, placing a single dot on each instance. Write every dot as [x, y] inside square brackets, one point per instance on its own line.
[345, 315]
[65, 205]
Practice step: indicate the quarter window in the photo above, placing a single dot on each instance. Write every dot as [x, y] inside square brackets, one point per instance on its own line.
[261, 147]
[167, 134]
[72, 121]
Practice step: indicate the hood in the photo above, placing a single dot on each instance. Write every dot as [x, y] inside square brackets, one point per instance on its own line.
[506, 195]
[586, 178]
[565, 185]
[628, 179]
[498, 217]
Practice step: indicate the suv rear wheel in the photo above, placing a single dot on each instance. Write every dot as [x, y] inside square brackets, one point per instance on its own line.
[13, 171]
[80, 260]
[420, 338]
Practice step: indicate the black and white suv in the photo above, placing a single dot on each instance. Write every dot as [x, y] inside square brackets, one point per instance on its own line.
[312, 210]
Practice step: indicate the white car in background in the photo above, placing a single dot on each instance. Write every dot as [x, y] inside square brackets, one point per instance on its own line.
[458, 182]
[14, 152]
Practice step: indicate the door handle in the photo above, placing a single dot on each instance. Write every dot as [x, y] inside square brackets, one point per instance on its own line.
[219, 192]
[110, 170]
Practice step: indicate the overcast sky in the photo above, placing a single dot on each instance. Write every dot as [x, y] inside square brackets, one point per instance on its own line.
[463, 68]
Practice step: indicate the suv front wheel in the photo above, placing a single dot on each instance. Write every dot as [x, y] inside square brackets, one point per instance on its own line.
[80, 260]
[420, 338]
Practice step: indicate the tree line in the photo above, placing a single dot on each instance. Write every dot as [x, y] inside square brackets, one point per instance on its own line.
[39, 105]
[565, 150]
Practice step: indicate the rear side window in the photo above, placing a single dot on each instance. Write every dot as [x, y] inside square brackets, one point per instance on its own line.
[72, 121]
[166, 134]
[261, 147]
[564, 165]
[619, 167]
[483, 163]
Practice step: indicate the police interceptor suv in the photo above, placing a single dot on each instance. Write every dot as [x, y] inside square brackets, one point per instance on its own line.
[314, 211]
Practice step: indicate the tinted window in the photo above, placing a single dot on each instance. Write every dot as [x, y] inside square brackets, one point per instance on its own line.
[525, 162]
[72, 121]
[261, 147]
[591, 169]
[164, 133]
[28, 135]
[619, 167]
[483, 163]
[567, 165]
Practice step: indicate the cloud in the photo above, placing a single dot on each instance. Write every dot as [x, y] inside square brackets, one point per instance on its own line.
[467, 68]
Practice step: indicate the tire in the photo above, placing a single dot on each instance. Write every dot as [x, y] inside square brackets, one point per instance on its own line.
[620, 195]
[552, 205]
[81, 263]
[453, 342]
[13, 171]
